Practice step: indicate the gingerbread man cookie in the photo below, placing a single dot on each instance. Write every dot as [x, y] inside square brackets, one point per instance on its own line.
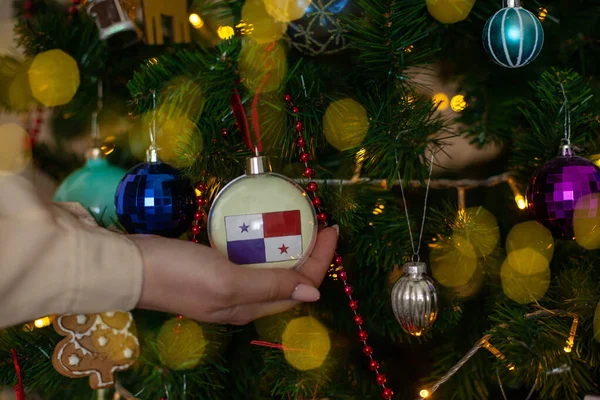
[96, 345]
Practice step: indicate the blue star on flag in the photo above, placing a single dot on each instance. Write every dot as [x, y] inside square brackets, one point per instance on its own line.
[244, 227]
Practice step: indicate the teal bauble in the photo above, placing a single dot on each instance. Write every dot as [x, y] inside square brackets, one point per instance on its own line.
[513, 37]
[94, 187]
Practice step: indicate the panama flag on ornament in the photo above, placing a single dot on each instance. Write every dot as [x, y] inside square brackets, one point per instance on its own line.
[264, 238]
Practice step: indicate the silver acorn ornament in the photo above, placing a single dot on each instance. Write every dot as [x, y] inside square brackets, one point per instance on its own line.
[414, 299]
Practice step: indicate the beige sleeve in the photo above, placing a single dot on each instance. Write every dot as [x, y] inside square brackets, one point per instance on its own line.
[52, 262]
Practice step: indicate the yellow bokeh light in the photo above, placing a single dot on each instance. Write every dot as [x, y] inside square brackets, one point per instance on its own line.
[225, 32]
[287, 10]
[15, 152]
[196, 21]
[345, 124]
[531, 235]
[266, 28]
[586, 221]
[480, 228]
[424, 393]
[54, 78]
[451, 267]
[449, 11]
[523, 288]
[528, 261]
[180, 344]
[458, 103]
[521, 202]
[42, 322]
[441, 100]
[306, 343]
[258, 63]
[542, 14]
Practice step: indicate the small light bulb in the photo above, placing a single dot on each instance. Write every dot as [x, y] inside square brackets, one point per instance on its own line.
[567, 349]
[521, 202]
[458, 103]
[542, 14]
[225, 32]
[196, 21]
[42, 322]
[409, 48]
[424, 394]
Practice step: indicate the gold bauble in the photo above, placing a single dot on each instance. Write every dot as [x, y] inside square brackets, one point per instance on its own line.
[306, 343]
[264, 65]
[532, 235]
[287, 10]
[54, 78]
[345, 124]
[180, 344]
[449, 11]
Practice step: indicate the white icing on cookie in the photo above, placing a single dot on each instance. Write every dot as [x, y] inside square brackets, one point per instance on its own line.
[81, 319]
[110, 314]
[102, 340]
[74, 360]
[128, 353]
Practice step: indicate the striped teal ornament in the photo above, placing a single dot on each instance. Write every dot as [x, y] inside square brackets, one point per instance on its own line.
[513, 37]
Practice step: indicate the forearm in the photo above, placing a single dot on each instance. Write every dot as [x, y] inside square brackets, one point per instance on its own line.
[53, 262]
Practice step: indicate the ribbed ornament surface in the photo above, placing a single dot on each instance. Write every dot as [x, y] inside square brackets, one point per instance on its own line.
[414, 300]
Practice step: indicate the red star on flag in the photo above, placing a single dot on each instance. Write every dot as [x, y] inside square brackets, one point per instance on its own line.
[283, 248]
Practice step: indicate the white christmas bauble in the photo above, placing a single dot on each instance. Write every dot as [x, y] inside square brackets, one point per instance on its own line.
[263, 219]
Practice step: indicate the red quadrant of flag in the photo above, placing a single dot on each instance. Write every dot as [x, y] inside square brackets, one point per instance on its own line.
[284, 223]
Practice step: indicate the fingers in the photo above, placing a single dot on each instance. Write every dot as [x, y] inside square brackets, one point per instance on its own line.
[246, 313]
[257, 285]
[320, 259]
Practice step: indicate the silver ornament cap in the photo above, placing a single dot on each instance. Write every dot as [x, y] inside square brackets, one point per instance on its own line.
[414, 299]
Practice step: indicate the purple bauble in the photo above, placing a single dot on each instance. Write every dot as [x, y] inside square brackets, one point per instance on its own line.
[556, 187]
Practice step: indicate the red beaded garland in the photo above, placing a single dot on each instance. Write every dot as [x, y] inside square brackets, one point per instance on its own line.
[373, 365]
[202, 187]
[199, 215]
[194, 240]
[387, 393]
[195, 229]
[308, 172]
[304, 157]
[201, 201]
[322, 217]
[311, 187]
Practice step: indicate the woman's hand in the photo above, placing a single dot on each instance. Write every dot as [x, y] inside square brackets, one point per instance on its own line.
[198, 282]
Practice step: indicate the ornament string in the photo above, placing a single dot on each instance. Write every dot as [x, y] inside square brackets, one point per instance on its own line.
[95, 125]
[565, 108]
[337, 265]
[415, 256]
[240, 117]
[19, 388]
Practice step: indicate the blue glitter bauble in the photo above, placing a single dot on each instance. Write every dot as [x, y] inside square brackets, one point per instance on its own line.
[154, 198]
[513, 37]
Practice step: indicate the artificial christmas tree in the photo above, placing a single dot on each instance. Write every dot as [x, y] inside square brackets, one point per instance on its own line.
[331, 98]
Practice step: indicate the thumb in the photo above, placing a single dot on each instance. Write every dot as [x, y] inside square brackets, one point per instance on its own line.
[254, 285]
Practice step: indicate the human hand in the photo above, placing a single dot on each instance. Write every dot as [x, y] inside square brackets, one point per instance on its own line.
[198, 282]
